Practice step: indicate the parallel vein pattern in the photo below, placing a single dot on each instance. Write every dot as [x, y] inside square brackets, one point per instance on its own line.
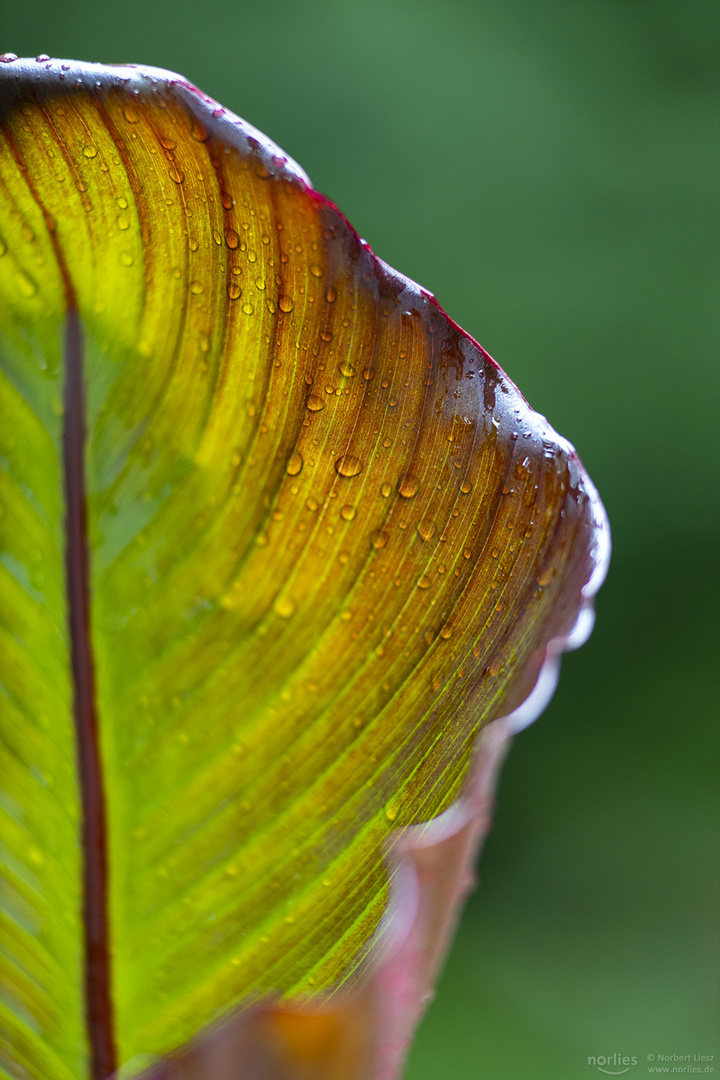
[329, 542]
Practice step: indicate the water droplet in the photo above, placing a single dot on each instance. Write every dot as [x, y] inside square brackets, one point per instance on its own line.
[8, 57]
[426, 530]
[131, 114]
[176, 175]
[330, 295]
[284, 607]
[197, 131]
[126, 258]
[231, 238]
[286, 303]
[42, 58]
[385, 490]
[315, 403]
[423, 582]
[348, 512]
[379, 539]
[345, 368]
[295, 464]
[466, 487]
[315, 270]
[204, 342]
[368, 374]
[122, 223]
[312, 504]
[248, 308]
[545, 577]
[408, 486]
[348, 465]
[90, 151]
[392, 810]
[196, 288]
[446, 632]
[233, 290]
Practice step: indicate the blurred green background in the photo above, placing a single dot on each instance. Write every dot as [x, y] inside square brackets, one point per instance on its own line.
[548, 168]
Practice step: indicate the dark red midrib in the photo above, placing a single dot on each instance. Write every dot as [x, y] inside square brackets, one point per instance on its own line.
[98, 994]
[98, 1003]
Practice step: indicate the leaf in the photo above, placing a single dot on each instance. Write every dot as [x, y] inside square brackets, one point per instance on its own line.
[278, 540]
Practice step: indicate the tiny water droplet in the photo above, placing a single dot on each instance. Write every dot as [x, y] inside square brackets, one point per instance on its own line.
[295, 464]
[126, 258]
[426, 530]
[345, 368]
[408, 486]
[122, 223]
[197, 131]
[391, 811]
[196, 288]
[131, 114]
[379, 539]
[348, 512]
[315, 403]
[348, 465]
[368, 374]
[284, 607]
[312, 504]
[233, 290]
[466, 487]
[446, 632]
[386, 490]
[176, 175]
[315, 270]
[286, 303]
[423, 582]
[330, 295]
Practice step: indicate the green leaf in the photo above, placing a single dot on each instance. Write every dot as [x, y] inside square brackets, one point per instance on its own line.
[277, 540]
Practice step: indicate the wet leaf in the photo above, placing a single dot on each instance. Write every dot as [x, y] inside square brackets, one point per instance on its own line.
[277, 541]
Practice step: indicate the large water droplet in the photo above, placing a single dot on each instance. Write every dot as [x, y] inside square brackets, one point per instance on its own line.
[348, 512]
[386, 490]
[408, 486]
[345, 368]
[426, 530]
[295, 464]
[423, 582]
[233, 290]
[231, 238]
[379, 539]
[348, 465]
[286, 303]
[315, 403]
[90, 151]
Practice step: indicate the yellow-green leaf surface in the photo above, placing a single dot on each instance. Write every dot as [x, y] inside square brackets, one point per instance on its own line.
[327, 541]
